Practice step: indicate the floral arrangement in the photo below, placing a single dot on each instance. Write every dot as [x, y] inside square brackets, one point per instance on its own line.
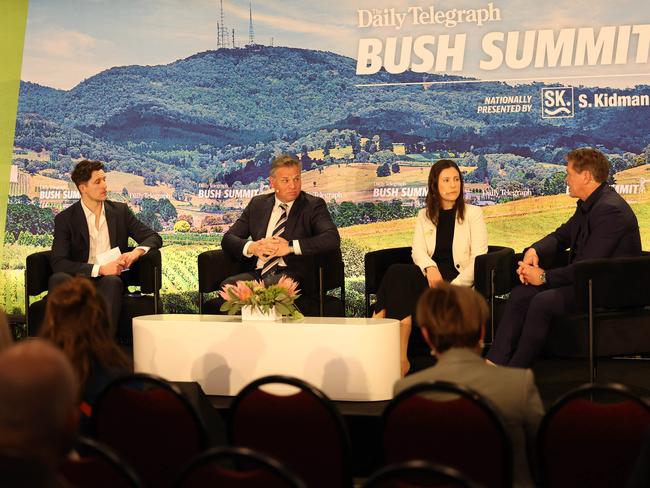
[255, 294]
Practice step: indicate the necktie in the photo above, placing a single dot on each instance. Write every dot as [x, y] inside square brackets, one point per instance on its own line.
[277, 232]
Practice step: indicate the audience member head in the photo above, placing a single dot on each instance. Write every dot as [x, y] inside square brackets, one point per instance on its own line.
[6, 338]
[285, 177]
[76, 321]
[452, 316]
[38, 402]
[445, 190]
[587, 168]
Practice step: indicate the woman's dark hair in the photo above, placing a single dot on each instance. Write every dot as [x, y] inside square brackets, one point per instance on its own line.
[76, 321]
[433, 196]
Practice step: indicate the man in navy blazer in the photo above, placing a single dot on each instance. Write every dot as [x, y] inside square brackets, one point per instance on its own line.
[602, 226]
[276, 229]
[89, 228]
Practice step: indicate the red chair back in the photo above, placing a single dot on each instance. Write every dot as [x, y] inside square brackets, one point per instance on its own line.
[591, 437]
[451, 425]
[151, 424]
[237, 468]
[98, 466]
[302, 430]
[419, 474]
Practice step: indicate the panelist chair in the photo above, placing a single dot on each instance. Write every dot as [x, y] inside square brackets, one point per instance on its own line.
[146, 273]
[612, 309]
[612, 317]
[327, 274]
[492, 277]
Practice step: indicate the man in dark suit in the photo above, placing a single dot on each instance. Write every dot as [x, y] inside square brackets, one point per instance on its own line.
[88, 229]
[277, 228]
[602, 226]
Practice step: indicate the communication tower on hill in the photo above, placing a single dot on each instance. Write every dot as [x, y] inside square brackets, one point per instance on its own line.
[251, 32]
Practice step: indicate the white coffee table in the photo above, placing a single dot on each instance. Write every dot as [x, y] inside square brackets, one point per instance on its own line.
[350, 359]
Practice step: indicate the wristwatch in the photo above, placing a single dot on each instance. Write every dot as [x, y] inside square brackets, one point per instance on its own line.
[290, 248]
[542, 278]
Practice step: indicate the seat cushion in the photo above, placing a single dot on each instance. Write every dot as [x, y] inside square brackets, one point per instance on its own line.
[616, 334]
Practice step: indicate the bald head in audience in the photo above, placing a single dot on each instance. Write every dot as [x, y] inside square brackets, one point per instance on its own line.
[38, 402]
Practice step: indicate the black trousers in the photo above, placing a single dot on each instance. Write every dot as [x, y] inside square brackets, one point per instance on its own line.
[523, 329]
[110, 288]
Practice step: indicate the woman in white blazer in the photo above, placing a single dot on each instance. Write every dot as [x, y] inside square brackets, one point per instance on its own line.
[448, 236]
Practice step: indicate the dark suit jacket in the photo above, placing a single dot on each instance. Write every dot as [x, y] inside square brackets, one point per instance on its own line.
[309, 222]
[71, 244]
[609, 229]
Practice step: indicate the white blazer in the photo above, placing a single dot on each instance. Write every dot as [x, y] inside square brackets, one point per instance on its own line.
[470, 240]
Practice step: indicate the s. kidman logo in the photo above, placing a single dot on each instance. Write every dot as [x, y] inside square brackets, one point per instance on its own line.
[557, 102]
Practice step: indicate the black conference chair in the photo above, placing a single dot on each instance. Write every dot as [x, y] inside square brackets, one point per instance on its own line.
[445, 423]
[327, 274]
[237, 467]
[492, 275]
[612, 310]
[146, 273]
[492, 279]
[376, 263]
[592, 437]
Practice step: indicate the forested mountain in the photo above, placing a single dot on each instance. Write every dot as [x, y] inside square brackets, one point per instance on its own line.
[194, 118]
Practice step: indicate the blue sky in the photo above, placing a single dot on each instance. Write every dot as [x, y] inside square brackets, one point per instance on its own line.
[70, 40]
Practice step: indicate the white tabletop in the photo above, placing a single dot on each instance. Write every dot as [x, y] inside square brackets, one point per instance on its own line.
[351, 359]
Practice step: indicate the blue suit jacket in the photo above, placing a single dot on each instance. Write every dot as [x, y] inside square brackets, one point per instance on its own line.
[309, 222]
[609, 229]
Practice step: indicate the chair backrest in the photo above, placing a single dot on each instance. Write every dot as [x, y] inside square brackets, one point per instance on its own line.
[37, 273]
[303, 430]
[418, 474]
[492, 271]
[146, 272]
[94, 464]
[215, 266]
[329, 266]
[237, 467]
[448, 424]
[151, 424]
[376, 263]
[617, 283]
[591, 437]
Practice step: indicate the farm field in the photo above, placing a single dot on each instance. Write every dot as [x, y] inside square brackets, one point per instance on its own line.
[514, 224]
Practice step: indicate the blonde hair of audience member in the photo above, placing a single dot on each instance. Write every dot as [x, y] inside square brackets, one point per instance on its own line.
[452, 317]
[38, 402]
[6, 338]
[76, 321]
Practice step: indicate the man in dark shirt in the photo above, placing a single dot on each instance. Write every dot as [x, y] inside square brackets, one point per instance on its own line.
[602, 226]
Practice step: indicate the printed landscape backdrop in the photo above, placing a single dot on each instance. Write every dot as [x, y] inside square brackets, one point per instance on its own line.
[188, 101]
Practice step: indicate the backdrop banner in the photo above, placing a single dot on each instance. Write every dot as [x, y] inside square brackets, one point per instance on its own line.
[367, 93]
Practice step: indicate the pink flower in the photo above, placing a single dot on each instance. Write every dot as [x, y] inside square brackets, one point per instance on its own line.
[289, 285]
[240, 290]
[243, 291]
[224, 292]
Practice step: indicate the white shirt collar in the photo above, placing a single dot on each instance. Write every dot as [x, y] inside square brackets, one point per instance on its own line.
[89, 213]
[288, 204]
